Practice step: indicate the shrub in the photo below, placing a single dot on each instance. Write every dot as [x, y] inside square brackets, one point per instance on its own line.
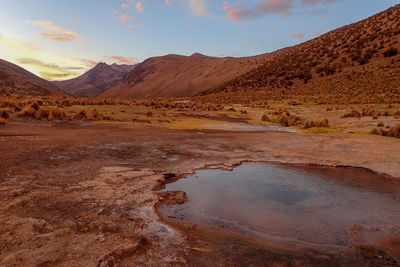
[56, 114]
[394, 131]
[265, 118]
[380, 124]
[5, 114]
[96, 115]
[353, 113]
[376, 131]
[80, 115]
[3, 121]
[28, 112]
[35, 105]
[390, 52]
[324, 123]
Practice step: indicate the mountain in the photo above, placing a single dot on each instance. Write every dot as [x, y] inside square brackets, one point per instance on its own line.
[95, 81]
[175, 75]
[18, 81]
[358, 63]
[200, 55]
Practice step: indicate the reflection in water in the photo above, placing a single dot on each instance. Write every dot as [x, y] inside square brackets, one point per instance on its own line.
[292, 205]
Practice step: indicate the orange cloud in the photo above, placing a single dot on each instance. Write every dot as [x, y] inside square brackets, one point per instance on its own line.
[139, 7]
[123, 22]
[123, 60]
[297, 35]
[126, 5]
[53, 32]
[238, 12]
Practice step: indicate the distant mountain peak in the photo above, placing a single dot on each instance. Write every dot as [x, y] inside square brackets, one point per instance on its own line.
[199, 55]
[95, 80]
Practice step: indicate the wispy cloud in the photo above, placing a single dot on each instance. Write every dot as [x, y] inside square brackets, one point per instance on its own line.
[53, 32]
[197, 7]
[239, 12]
[123, 60]
[297, 35]
[139, 7]
[124, 20]
[32, 57]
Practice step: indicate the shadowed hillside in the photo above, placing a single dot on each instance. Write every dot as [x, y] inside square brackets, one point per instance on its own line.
[15, 80]
[359, 63]
[95, 81]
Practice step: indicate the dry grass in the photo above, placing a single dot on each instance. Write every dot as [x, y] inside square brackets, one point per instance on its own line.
[324, 123]
[5, 114]
[81, 115]
[3, 121]
[392, 132]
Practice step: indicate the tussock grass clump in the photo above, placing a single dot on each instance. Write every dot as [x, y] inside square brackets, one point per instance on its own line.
[265, 117]
[284, 118]
[96, 115]
[81, 115]
[353, 114]
[35, 111]
[3, 121]
[392, 132]
[324, 123]
[56, 114]
[5, 114]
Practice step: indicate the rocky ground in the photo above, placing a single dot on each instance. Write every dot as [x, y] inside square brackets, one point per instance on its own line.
[80, 194]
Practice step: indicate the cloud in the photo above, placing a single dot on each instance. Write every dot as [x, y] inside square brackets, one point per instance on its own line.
[198, 7]
[126, 5]
[53, 32]
[297, 35]
[32, 56]
[114, 11]
[123, 60]
[238, 12]
[124, 20]
[51, 71]
[317, 33]
[139, 7]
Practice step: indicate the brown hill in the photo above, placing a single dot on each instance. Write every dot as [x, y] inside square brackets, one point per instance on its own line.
[356, 63]
[15, 80]
[95, 81]
[175, 75]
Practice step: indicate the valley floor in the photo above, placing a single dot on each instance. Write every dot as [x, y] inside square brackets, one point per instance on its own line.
[80, 193]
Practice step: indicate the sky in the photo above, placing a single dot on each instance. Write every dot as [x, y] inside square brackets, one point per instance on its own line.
[61, 39]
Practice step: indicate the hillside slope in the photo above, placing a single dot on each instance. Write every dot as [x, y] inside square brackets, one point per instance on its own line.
[175, 75]
[18, 81]
[356, 63]
[95, 81]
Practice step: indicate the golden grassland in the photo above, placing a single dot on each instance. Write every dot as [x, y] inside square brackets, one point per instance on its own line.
[192, 113]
